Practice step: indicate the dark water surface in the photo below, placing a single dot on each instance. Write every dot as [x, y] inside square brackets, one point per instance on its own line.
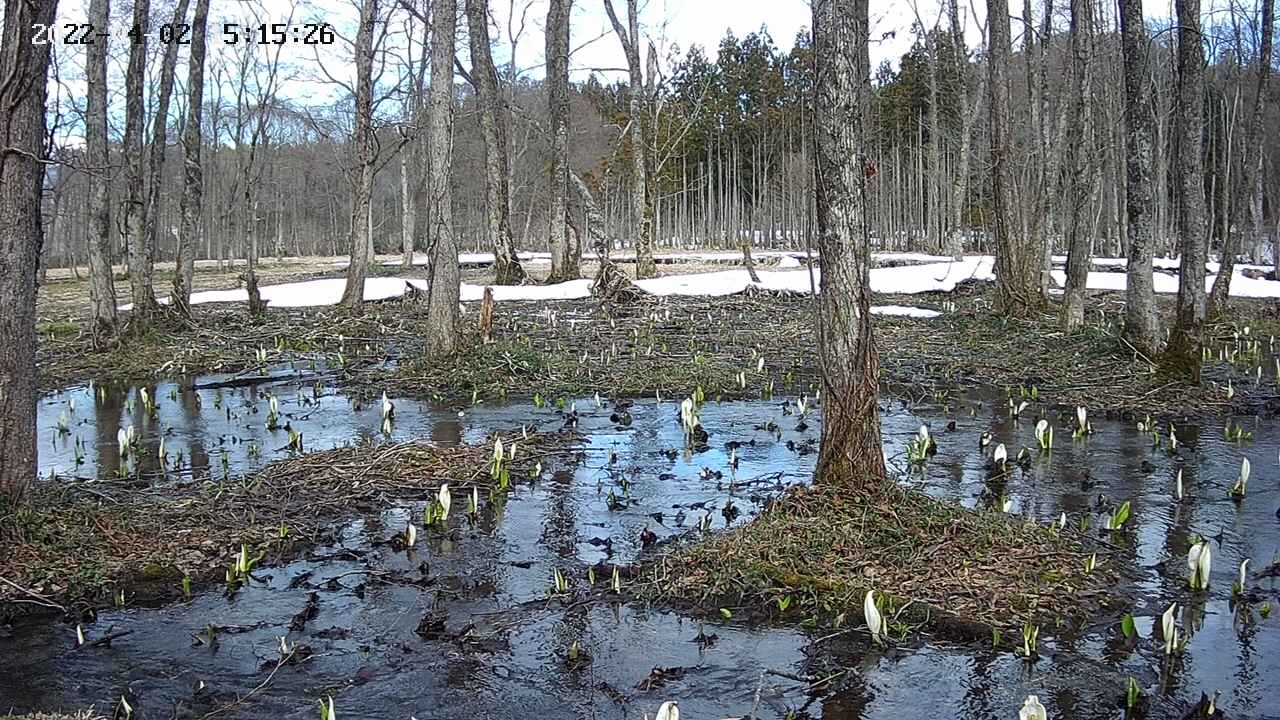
[496, 645]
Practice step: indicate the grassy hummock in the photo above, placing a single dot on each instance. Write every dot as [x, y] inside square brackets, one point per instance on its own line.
[80, 543]
[817, 551]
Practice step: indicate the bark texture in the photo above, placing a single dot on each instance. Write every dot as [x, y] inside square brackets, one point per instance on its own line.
[134, 221]
[497, 161]
[362, 172]
[22, 136]
[563, 263]
[1141, 326]
[189, 206]
[639, 130]
[1018, 259]
[1244, 219]
[159, 141]
[443, 335]
[1078, 181]
[1182, 356]
[850, 453]
[102, 287]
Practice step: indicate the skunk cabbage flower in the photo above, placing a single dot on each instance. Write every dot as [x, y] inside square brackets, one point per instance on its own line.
[1001, 455]
[122, 440]
[410, 535]
[1032, 709]
[1082, 418]
[1044, 434]
[1170, 629]
[875, 622]
[1242, 577]
[1179, 488]
[668, 710]
[387, 408]
[1199, 562]
[1242, 483]
[445, 501]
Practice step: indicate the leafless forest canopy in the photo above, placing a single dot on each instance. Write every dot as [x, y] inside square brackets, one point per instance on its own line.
[731, 137]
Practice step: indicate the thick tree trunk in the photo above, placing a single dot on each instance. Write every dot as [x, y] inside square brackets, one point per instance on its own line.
[159, 142]
[22, 136]
[362, 172]
[563, 266]
[850, 453]
[1141, 326]
[189, 207]
[443, 334]
[1182, 356]
[140, 264]
[497, 162]
[1078, 183]
[1243, 217]
[638, 129]
[102, 288]
[1017, 258]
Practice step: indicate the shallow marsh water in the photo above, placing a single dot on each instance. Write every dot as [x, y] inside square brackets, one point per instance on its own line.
[494, 576]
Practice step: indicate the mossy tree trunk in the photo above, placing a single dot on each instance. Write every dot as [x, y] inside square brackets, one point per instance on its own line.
[850, 452]
[102, 287]
[22, 135]
[189, 206]
[435, 212]
[1182, 356]
[564, 264]
[362, 173]
[497, 175]
[1141, 326]
[1018, 259]
[1077, 185]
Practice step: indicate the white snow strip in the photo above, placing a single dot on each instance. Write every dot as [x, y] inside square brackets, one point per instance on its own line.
[905, 280]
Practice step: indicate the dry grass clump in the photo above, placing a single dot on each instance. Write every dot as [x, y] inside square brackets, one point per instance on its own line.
[956, 571]
[76, 541]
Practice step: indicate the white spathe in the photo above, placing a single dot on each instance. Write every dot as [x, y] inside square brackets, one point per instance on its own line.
[446, 499]
[1199, 563]
[668, 710]
[875, 622]
[1032, 709]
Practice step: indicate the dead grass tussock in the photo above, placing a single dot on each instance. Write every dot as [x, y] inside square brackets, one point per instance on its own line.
[826, 548]
[76, 541]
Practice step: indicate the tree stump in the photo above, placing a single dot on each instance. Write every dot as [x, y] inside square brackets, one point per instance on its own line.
[486, 316]
[613, 287]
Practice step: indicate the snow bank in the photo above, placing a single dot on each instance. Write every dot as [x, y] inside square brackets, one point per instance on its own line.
[942, 276]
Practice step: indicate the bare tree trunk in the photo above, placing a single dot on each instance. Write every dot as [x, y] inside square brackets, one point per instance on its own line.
[140, 265]
[563, 266]
[159, 141]
[408, 214]
[497, 162]
[1182, 356]
[189, 207]
[362, 173]
[1242, 216]
[638, 110]
[850, 452]
[1141, 326]
[22, 135]
[443, 334]
[1078, 186]
[102, 288]
[1017, 259]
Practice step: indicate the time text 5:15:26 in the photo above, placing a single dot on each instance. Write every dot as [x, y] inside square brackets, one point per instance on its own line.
[180, 33]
